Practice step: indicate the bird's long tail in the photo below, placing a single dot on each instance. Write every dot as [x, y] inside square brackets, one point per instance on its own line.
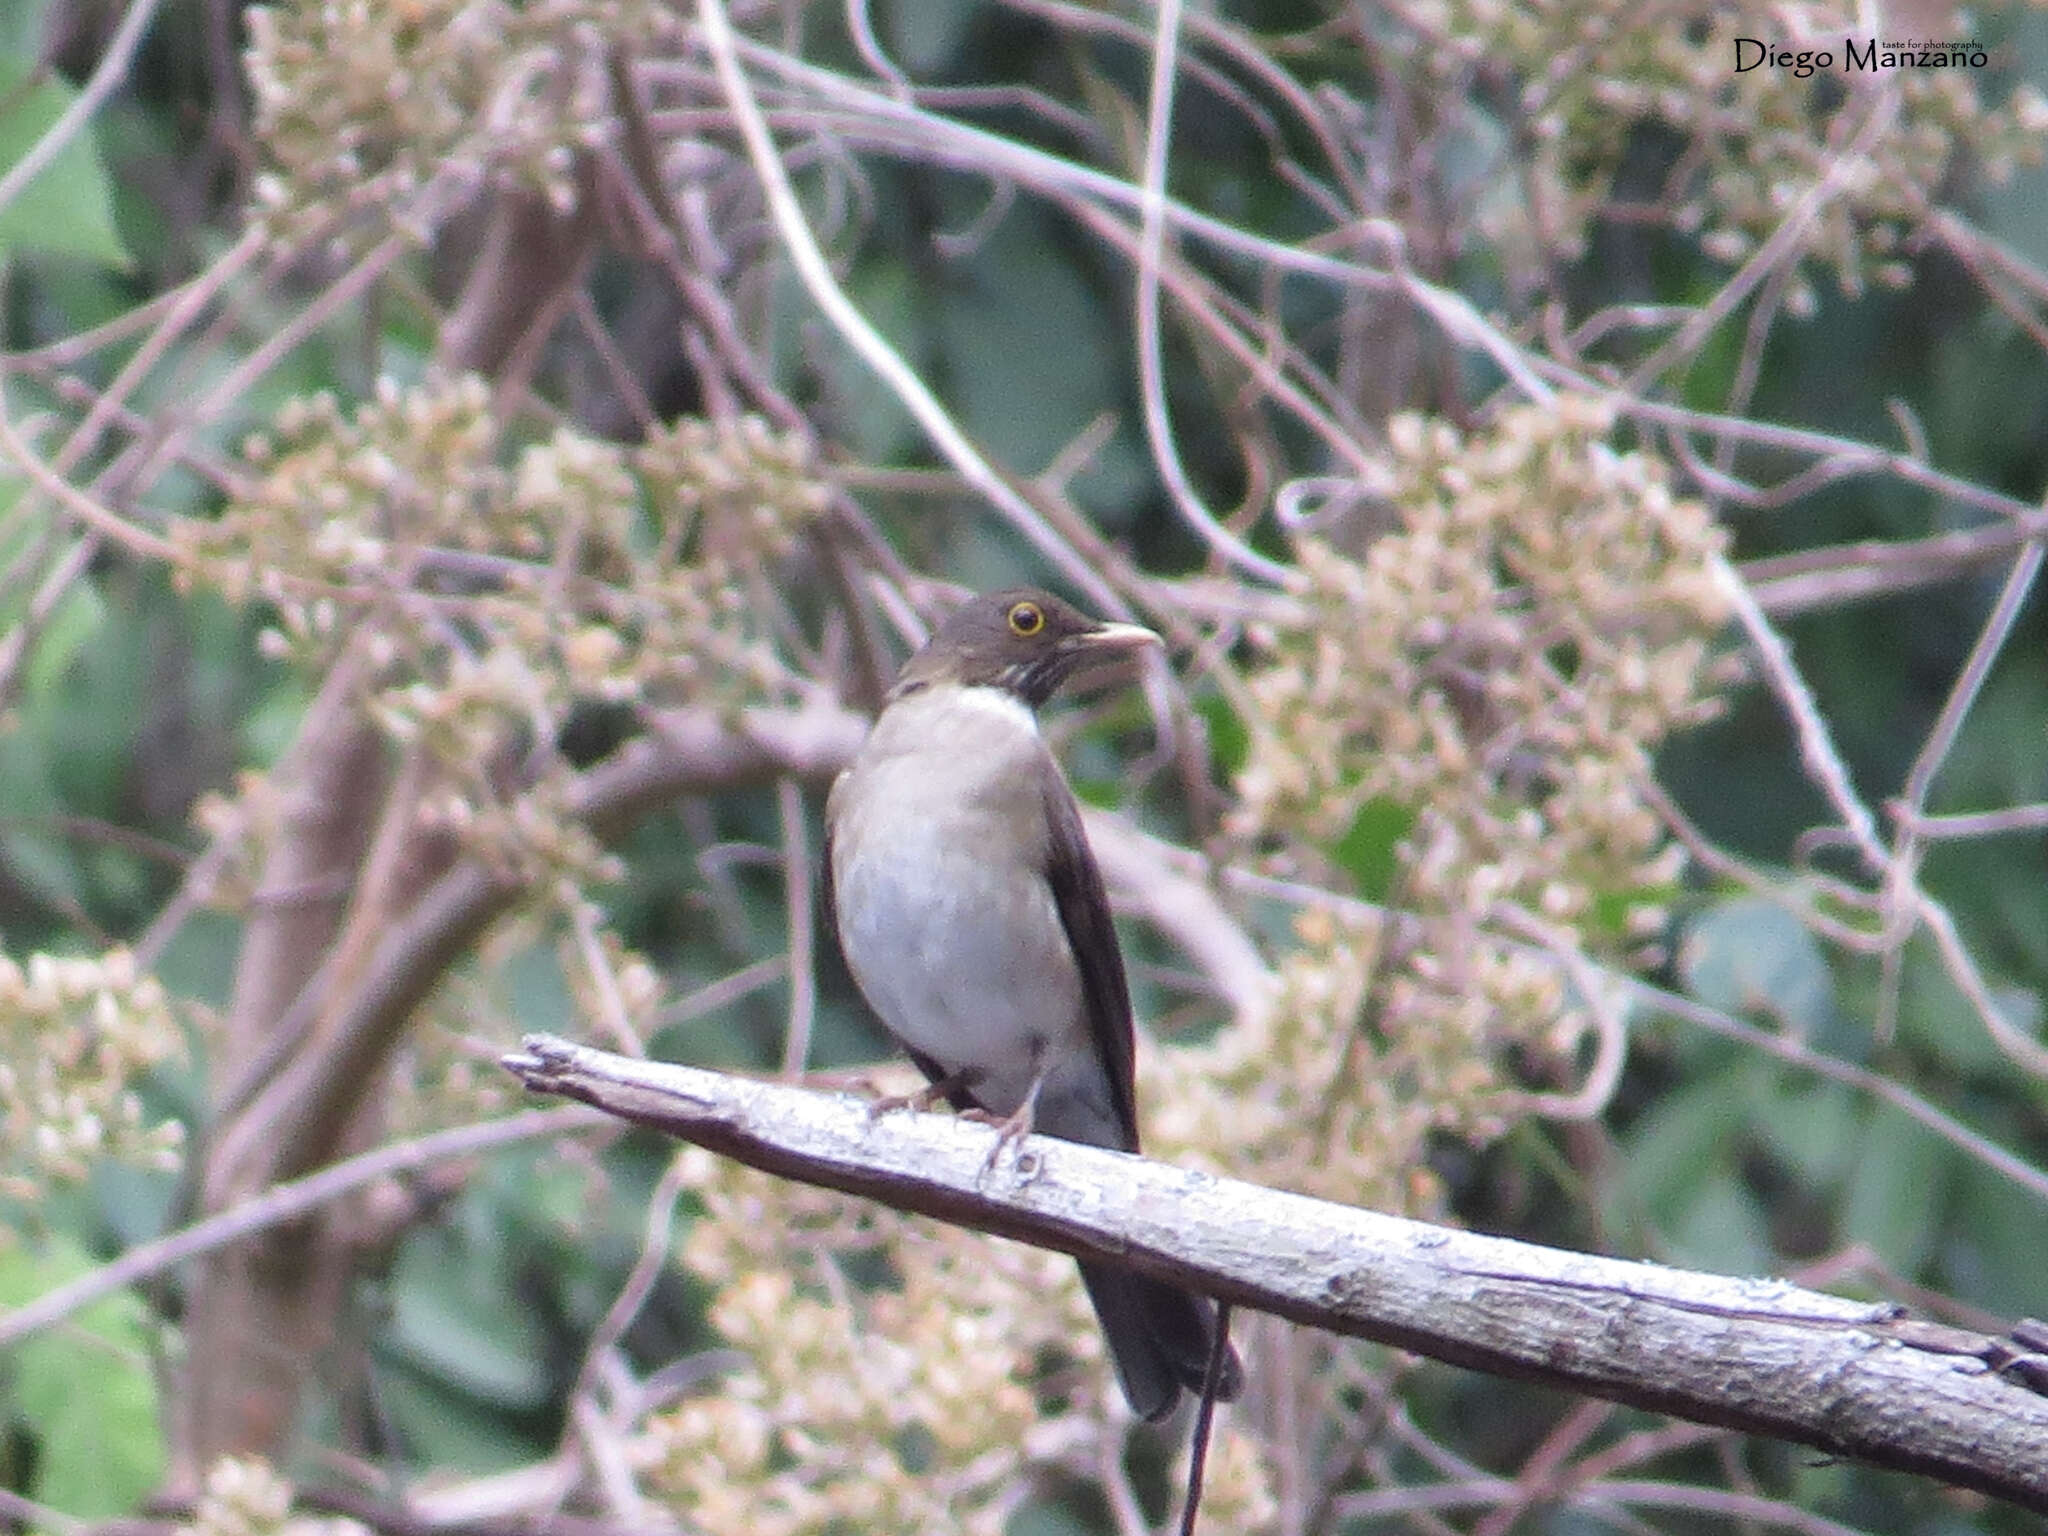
[1159, 1337]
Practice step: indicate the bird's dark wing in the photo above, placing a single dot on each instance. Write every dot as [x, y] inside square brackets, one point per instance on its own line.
[1077, 890]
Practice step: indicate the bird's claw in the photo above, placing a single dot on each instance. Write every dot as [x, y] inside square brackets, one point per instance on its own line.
[927, 1097]
[930, 1096]
[1010, 1131]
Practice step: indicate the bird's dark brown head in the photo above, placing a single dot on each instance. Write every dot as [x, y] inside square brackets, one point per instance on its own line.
[1023, 641]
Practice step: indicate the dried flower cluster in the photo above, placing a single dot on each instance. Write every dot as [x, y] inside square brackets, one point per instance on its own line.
[899, 1375]
[242, 1496]
[1591, 73]
[1494, 675]
[362, 106]
[901, 1406]
[488, 598]
[75, 1034]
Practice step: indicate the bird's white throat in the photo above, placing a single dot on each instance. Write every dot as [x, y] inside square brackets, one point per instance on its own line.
[998, 703]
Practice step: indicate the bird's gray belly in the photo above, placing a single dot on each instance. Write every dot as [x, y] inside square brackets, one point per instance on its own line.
[965, 960]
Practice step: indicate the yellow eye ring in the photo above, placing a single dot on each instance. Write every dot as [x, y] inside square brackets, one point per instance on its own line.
[1026, 619]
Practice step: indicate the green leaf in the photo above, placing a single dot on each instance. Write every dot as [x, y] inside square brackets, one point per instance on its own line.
[538, 991]
[1025, 345]
[35, 856]
[79, 614]
[1813, 1130]
[1681, 1145]
[450, 1432]
[83, 1389]
[1993, 1256]
[92, 696]
[1229, 742]
[199, 962]
[871, 419]
[1750, 956]
[1935, 1016]
[926, 34]
[1367, 849]
[68, 210]
[1896, 1190]
[456, 1318]
[1722, 1230]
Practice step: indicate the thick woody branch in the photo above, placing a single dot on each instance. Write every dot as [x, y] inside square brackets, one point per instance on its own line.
[1849, 1378]
[261, 1311]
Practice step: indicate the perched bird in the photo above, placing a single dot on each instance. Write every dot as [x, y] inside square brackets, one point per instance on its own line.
[972, 915]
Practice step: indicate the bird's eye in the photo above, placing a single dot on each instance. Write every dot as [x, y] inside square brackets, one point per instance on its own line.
[1026, 619]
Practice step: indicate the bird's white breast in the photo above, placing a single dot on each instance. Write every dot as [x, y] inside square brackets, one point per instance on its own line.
[945, 915]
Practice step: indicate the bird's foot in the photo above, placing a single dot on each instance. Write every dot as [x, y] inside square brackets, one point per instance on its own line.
[864, 1085]
[1011, 1129]
[930, 1096]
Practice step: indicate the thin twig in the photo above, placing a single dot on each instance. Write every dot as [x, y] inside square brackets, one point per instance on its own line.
[888, 364]
[102, 521]
[286, 1203]
[1151, 371]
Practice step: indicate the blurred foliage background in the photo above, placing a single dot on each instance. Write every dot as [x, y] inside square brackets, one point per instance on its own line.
[469, 464]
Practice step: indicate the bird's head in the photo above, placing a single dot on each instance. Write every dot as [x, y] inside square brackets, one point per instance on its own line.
[1023, 641]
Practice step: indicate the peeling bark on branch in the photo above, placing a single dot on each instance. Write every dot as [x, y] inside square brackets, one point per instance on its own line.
[1850, 1378]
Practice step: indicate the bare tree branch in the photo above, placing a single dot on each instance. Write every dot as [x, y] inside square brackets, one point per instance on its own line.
[1850, 1378]
[257, 1307]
